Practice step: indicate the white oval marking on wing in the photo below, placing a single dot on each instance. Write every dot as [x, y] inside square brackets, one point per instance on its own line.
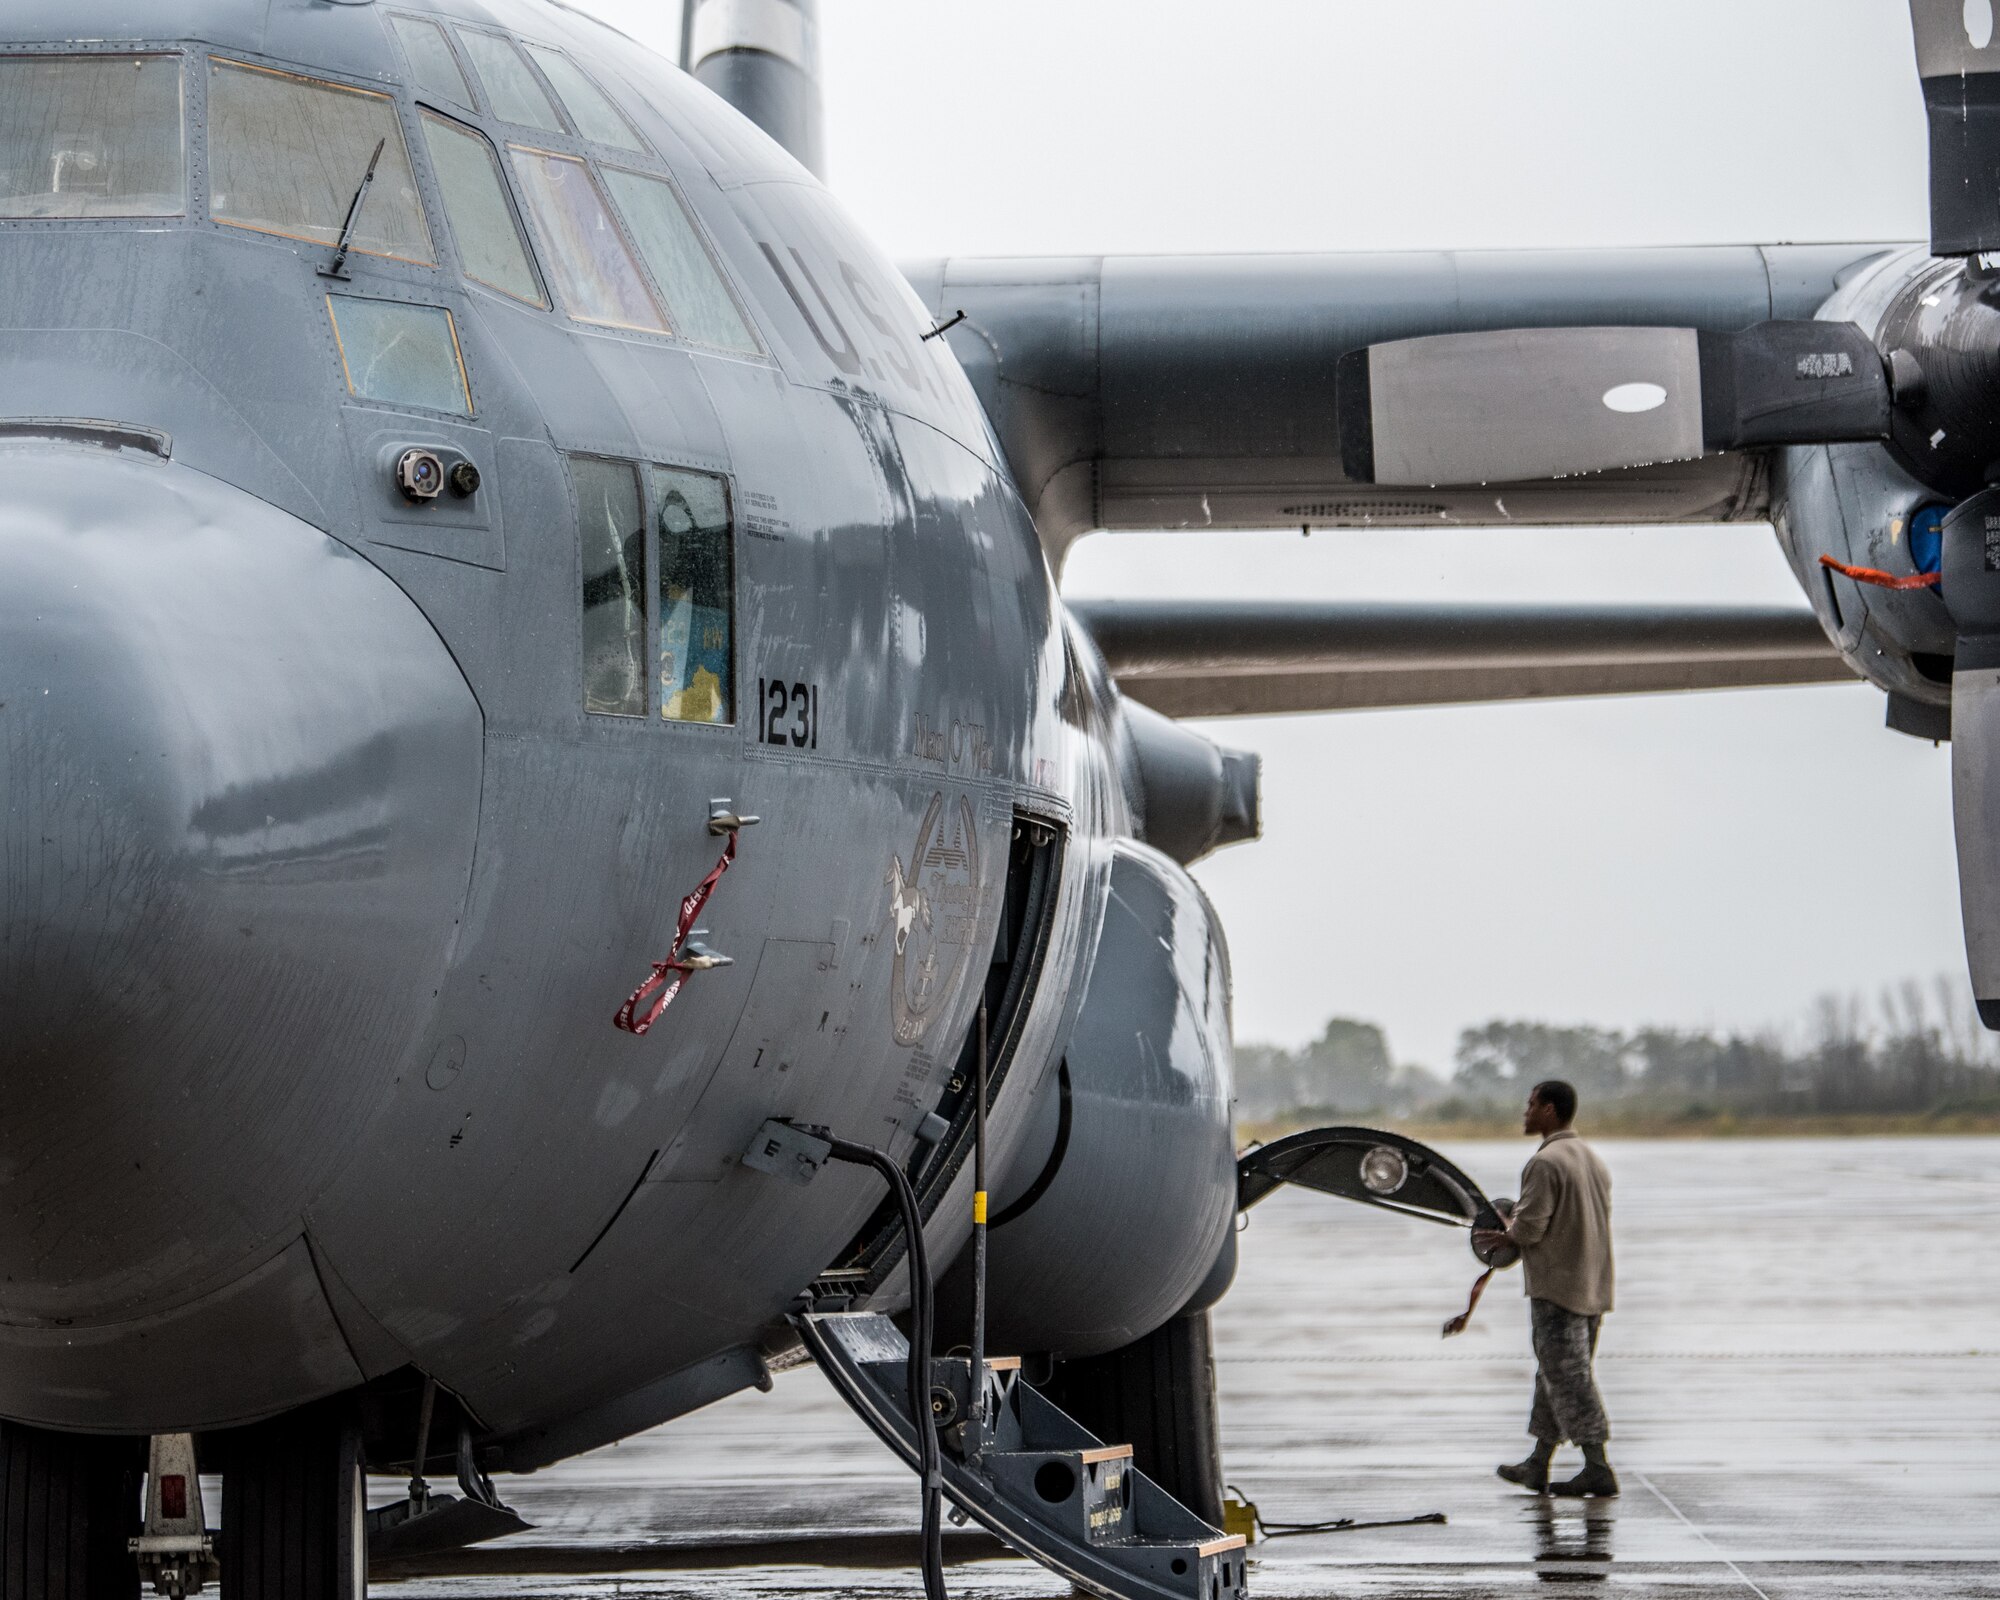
[1631, 397]
[1979, 23]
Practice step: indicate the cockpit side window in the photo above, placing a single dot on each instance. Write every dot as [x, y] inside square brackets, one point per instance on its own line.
[475, 203]
[400, 355]
[612, 521]
[698, 301]
[697, 596]
[433, 68]
[512, 92]
[286, 155]
[593, 264]
[595, 115]
[92, 136]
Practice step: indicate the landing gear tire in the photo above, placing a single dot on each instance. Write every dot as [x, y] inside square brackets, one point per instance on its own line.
[68, 1503]
[293, 1508]
[1158, 1395]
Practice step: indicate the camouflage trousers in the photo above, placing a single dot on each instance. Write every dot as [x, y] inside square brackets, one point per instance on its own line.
[1567, 1404]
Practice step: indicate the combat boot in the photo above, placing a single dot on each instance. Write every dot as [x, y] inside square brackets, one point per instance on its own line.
[1597, 1481]
[1532, 1474]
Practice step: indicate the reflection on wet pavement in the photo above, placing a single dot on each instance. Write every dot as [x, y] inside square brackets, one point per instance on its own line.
[1801, 1375]
[1572, 1540]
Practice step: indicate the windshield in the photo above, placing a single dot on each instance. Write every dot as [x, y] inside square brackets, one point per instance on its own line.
[286, 155]
[475, 203]
[91, 136]
[588, 106]
[431, 62]
[592, 263]
[511, 91]
[700, 305]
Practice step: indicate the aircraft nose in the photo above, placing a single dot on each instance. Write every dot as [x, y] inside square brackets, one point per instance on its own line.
[241, 779]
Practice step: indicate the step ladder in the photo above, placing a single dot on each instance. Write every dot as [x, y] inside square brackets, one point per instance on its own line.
[1041, 1481]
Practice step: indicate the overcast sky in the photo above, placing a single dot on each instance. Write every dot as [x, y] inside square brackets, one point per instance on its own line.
[1694, 860]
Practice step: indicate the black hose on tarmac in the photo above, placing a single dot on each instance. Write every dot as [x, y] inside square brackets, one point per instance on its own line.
[923, 1313]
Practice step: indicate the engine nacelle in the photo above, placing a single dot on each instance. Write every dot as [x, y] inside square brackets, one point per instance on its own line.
[1854, 503]
[1937, 324]
[1193, 795]
[1120, 1205]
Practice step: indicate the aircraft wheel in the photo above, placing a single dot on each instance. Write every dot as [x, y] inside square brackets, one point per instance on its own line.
[1157, 1394]
[68, 1503]
[293, 1508]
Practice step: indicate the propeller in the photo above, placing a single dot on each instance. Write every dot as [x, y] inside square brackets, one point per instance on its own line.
[1958, 57]
[763, 57]
[1971, 591]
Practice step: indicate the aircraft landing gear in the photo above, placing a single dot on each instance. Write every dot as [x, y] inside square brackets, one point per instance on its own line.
[176, 1555]
[67, 1506]
[1158, 1394]
[293, 1508]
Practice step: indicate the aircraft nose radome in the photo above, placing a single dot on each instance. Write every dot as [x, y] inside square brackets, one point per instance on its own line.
[241, 779]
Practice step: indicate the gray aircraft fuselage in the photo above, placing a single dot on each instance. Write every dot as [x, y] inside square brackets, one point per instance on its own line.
[320, 885]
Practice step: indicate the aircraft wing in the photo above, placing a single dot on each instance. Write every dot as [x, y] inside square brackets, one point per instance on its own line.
[1200, 391]
[1255, 658]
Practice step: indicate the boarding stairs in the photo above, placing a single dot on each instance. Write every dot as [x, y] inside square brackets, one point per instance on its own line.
[1036, 1478]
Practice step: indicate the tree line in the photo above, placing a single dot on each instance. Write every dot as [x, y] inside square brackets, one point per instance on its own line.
[1916, 1048]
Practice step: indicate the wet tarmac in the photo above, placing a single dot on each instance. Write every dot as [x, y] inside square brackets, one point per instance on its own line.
[1803, 1377]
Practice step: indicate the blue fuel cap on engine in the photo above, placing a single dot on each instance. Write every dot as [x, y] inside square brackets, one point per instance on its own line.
[1927, 537]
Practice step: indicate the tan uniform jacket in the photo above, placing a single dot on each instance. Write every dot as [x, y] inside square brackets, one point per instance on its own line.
[1563, 1225]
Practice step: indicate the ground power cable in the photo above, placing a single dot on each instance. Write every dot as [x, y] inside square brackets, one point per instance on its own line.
[923, 1312]
[975, 1420]
[1294, 1530]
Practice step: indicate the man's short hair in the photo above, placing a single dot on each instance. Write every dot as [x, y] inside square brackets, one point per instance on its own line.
[1559, 1097]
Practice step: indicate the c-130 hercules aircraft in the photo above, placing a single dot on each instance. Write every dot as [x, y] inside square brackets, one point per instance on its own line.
[473, 509]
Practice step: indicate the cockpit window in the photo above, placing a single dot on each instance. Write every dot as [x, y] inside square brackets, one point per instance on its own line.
[91, 136]
[698, 301]
[401, 355]
[433, 68]
[286, 155]
[475, 202]
[588, 106]
[697, 596]
[582, 245]
[613, 524]
[512, 94]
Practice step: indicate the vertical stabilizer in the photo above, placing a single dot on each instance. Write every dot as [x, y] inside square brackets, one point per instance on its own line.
[762, 56]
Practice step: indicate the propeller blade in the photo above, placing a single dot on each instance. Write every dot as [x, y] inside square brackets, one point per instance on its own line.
[1971, 590]
[1958, 57]
[1529, 404]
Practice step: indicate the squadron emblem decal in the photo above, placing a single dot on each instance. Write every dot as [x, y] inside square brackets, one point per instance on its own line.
[934, 908]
